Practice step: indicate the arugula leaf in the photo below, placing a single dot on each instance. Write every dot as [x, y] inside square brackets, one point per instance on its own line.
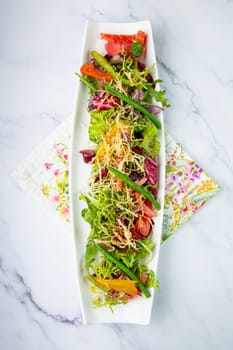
[159, 96]
[89, 82]
[89, 255]
[88, 213]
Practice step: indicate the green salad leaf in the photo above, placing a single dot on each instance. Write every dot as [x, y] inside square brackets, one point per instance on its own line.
[136, 49]
[150, 141]
[98, 125]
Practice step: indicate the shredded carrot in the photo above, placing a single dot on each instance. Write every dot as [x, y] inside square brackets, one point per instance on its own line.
[125, 286]
[90, 70]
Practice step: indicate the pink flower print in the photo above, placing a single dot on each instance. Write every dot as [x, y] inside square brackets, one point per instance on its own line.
[168, 185]
[184, 188]
[177, 197]
[65, 211]
[55, 198]
[185, 209]
[193, 171]
[188, 166]
[48, 166]
[66, 156]
[56, 172]
[174, 176]
[59, 147]
[197, 207]
[197, 171]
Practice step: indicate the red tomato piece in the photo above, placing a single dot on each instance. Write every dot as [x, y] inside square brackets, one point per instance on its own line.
[141, 37]
[149, 212]
[115, 43]
[113, 48]
[143, 226]
[118, 38]
[116, 48]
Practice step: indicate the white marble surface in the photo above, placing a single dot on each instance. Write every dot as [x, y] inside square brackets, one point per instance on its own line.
[39, 51]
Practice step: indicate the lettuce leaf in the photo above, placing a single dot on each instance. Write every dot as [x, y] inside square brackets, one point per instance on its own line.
[150, 141]
[98, 125]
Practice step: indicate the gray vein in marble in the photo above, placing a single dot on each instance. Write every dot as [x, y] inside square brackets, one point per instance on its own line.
[219, 149]
[39, 325]
[195, 108]
[58, 318]
[51, 117]
[9, 288]
[96, 11]
[10, 120]
[171, 74]
[25, 296]
[118, 329]
[130, 7]
[205, 335]
[228, 83]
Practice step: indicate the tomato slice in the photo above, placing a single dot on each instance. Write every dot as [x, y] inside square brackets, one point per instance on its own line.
[149, 212]
[115, 43]
[143, 226]
[141, 37]
[116, 48]
[113, 48]
[118, 38]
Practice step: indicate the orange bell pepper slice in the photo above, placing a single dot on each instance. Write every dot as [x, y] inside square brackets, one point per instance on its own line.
[125, 286]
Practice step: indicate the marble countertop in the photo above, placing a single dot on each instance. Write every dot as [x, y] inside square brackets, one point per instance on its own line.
[39, 51]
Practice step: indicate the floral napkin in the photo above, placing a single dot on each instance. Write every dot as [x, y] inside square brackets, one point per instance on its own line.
[44, 173]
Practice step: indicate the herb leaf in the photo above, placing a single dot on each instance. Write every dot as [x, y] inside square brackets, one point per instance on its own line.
[136, 49]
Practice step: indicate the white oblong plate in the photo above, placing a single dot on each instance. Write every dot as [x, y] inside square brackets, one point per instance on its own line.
[137, 311]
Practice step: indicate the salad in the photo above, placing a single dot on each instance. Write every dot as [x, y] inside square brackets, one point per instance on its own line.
[121, 203]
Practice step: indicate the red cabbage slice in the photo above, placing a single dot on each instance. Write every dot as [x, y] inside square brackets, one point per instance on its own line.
[151, 168]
